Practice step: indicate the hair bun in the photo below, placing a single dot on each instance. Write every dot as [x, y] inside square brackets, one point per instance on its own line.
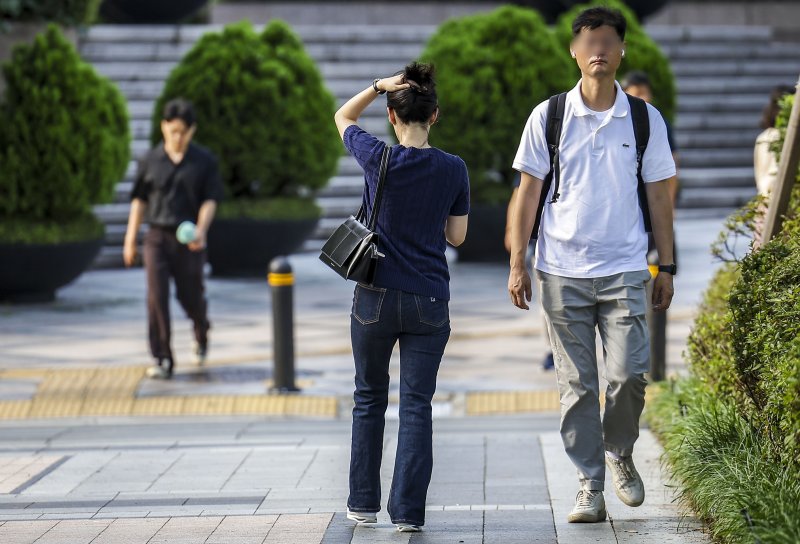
[419, 76]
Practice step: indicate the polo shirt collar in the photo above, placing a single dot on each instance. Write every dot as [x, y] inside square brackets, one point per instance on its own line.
[579, 109]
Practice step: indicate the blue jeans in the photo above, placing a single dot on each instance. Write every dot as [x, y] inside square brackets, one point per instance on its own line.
[380, 318]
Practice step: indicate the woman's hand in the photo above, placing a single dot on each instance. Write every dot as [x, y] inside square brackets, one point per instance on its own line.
[392, 84]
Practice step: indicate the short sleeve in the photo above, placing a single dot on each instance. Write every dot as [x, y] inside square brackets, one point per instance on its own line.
[657, 164]
[461, 204]
[141, 188]
[532, 155]
[363, 146]
[213, 187]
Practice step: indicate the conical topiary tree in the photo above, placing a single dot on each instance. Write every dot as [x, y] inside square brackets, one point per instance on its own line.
[491, 71]
[263, 109]
[641, 53]
[64, 143]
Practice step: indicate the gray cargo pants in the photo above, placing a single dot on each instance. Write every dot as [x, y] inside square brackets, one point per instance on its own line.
[615, 305]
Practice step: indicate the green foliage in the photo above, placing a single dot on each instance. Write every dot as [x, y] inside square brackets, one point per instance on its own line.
[271, 208]
[65, 139]
[15, 230]
[641, 53]
[66, 12]
[262, 108]
[492, 70]
[726, 474]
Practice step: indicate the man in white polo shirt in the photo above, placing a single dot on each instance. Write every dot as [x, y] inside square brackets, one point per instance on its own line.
[591, 257]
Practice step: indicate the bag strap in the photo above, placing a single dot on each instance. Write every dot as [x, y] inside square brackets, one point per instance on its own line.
[361, 215]
[553, 124]
[641, 132]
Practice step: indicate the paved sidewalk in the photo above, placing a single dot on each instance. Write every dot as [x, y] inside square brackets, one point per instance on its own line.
[503, 480]
[91, 451]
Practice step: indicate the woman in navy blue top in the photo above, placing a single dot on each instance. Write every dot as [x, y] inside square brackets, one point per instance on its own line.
[425, 205]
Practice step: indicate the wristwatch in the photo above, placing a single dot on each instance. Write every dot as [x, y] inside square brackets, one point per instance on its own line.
[668, 268]
[375, 86]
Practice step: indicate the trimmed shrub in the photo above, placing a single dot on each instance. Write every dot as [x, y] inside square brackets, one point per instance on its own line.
[263, 109]
[492, 70]
[66, 12]
[726, 473]
[65, 140]
[641, 53]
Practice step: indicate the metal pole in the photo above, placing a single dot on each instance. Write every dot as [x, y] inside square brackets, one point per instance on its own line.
[281, 281]
[657, 327]
[787, 173]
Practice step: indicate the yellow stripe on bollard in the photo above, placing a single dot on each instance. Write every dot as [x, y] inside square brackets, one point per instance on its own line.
[280, 280]
[653, 270]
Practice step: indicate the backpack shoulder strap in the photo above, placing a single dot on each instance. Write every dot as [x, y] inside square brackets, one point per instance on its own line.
[553, 123]
[641, 131]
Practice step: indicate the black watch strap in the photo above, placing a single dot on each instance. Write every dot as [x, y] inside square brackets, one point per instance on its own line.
[375, 86]
[668, 268]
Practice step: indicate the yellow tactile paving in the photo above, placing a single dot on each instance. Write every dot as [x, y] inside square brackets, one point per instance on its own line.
[15, 409]
[510, 402]
[158, 406]
[208, 405]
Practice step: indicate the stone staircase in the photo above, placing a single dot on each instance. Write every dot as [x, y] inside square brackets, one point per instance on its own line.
[724, 77]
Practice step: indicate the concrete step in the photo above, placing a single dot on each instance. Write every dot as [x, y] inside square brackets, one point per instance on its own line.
[666, 34]
[731, 51]
[741, 139]
[110, 256]
[308, 33]
[725, 68]
[165, 52]
[714, 198]
[701, 121]
[331, 70]
[741, 176]
[722, 103]
[699, 158]
[737, 85]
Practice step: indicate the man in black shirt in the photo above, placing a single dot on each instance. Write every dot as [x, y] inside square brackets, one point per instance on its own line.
[176, 181]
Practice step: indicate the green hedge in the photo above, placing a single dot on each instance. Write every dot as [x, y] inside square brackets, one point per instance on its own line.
[65, 140]
[263, 109]
[492, 70]
[66, 12]
[732, 431]
[641, 53]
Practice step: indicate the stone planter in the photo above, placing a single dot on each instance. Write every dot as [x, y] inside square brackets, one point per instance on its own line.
[244, 247]
[485, 235]
[33, 272]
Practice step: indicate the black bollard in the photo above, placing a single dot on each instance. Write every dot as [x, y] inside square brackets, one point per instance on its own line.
[281, 281]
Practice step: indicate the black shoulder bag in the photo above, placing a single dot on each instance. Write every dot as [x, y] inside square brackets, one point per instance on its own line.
[352, 249]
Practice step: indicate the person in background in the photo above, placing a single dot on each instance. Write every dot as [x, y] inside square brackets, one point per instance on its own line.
[765, 162]
[177, 181]
[425, 205]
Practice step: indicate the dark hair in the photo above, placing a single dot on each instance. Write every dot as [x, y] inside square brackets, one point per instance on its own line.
[593, 18]
[179, 108]
[417, 103]
[772, 109]
[635, 78]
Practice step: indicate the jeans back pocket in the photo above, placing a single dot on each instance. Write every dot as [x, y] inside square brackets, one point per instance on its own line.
[432, 311]
[367, 302]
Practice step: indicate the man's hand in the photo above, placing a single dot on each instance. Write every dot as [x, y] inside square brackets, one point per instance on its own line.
[519, 287]
[199, 242]
[662, 291]
[129, 252]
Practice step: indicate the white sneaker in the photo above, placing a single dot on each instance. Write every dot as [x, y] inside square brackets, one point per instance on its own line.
[362, 517]
[627, 482]
[590, 507]
[408, 528]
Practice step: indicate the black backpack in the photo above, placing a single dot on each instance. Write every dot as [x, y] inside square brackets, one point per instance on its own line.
[555, 118]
